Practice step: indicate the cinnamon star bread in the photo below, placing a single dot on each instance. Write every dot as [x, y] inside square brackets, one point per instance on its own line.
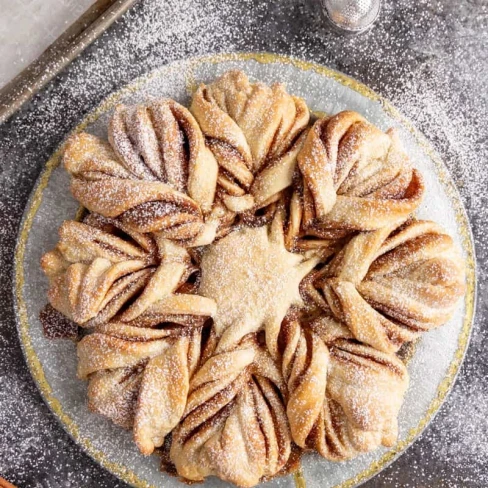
[156, 175]
[393, 284]
[255, 132]
[344, 397]
[354, 177]
[101, 269]
[139, 377]
[245, 278]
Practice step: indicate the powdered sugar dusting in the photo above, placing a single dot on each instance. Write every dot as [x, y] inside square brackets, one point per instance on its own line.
[425, 56]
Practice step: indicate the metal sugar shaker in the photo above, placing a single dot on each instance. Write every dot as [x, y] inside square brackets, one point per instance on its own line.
[351, 16]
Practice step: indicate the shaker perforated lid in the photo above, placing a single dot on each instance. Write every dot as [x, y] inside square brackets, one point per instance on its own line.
[352, 16]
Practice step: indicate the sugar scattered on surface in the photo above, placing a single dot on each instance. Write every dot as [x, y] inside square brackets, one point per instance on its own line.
[427, 57]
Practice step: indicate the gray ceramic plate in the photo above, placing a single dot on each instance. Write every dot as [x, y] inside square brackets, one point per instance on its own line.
[53, 363]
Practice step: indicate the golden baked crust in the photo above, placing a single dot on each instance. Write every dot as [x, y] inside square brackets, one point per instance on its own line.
[344, 397]
[392, 284]
[234, 425]
[244, 279]
[354, 177]
[98, 274]
[157, 175]
[139, 378]
[254, 132]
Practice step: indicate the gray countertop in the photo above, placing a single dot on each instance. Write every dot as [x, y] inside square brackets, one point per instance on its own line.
[430, 58]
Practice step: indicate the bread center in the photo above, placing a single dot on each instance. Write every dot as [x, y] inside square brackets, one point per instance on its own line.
[253, 279]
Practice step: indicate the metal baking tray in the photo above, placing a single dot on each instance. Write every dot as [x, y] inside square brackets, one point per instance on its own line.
[60, 53]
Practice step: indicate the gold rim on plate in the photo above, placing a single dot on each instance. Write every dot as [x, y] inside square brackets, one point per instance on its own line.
[34, 203]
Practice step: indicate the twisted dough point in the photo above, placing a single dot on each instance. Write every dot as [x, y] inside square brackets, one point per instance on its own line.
[234, 425]
[159, 176]
[355, 178]
[391, 285]
[253, 131]
[344, 397]
[139, 378]
[163, 142]
[97, 273]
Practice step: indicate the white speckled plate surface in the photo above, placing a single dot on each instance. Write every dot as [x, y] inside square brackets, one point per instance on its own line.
[438, 355]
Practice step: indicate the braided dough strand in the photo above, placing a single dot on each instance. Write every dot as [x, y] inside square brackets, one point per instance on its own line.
[344, 397]
[393, 284]
[354, 178]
